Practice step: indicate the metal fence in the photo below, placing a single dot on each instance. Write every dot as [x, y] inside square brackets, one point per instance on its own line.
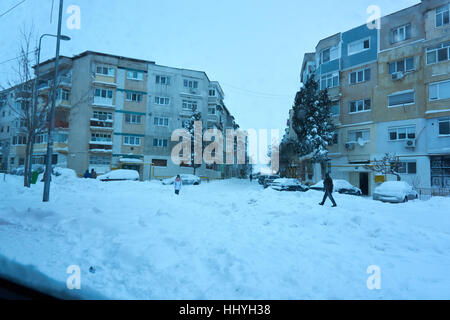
[428, 193]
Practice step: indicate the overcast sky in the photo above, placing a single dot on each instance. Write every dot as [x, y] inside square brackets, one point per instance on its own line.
[254, 48]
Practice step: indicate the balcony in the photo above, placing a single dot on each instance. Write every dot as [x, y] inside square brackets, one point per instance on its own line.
[59, 124]
[100, 146]
[104, 102]
[101, 124]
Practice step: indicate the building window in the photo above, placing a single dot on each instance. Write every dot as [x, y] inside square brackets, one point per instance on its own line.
[133, 96]
[135, 75]
[355, 135]
[329, 81]
[440, 172]
[40, 138]
[401, 33]
[101, 137]
[62, 137]
[211, 109]
[102, 116]
[162, 143]
[159, 162]
[100, 160]
[212, 92]
[444, 127]
[162, 122]
[401, 99]
[162, 101]
[402, 133]
[440, 90]
[403, 65]
[409, 167]
[360, 76]
[103, 96]
[19, 140]
[162, 80]
[105, 71]
[442, 15]
[438, 53]
[189, 105]
[360, 106]
[131, 141]
[190, 84]
[329, 54]
[63, 94]
[133, 119]
[358, 46]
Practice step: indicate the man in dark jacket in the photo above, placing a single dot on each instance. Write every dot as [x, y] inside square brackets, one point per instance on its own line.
[87, 175]
[328, 186]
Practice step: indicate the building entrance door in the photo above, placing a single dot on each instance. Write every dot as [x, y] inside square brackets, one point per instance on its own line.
[364, 183]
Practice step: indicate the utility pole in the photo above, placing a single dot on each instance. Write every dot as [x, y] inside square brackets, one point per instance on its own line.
[51, 127]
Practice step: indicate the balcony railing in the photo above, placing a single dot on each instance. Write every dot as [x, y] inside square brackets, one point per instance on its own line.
[107, 102]
[101, 124]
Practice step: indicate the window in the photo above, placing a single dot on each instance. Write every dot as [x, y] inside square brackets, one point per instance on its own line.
[19, 140]
[162, 80]
[160, 143]
[360, 106]
[442, 15]
[131, 141]
[360, 76]
[190, 84]
[189, 105]
[438, 53]
[336, 138]
[159, 162]
[329, 54]
[132, 118]
[100, 160]
[211, 109]
[329, 81]
[400, 99]
[444, 127]
[355, 135]
[358, 46]
[62, 137]
[402, 133]
[401, 33]
[102, 116]
[212, 93]
[409, 167]
[162, 101]
[40, 138]
[162, 122]
[133, 96]
[63, 94]
[135, 75]
[440, 90]
[101, 137]
[105, 71]
[403, 65]
[103, 93]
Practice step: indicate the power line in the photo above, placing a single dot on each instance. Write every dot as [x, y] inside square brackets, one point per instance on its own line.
[12, 59]
[11, 9]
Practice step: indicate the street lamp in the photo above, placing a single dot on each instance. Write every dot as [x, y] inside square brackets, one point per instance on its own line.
[35, 96]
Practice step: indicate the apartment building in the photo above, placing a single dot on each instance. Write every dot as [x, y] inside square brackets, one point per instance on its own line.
[116, 112]
[391, 90]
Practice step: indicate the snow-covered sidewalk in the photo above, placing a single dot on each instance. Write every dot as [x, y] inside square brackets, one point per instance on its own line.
[223, 240]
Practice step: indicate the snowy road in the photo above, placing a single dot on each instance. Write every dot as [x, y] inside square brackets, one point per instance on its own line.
[224, 240]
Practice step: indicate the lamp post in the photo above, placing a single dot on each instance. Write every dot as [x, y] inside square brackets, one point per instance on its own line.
[48, 165]
[35, 98]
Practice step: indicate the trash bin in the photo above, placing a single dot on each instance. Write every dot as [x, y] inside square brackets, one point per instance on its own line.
[34, 177]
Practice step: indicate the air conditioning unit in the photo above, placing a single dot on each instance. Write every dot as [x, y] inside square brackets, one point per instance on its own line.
[410, 143]
[350, 146]
[397, 75]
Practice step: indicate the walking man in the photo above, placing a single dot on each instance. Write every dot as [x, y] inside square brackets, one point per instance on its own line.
[177, 184]
[328, 186]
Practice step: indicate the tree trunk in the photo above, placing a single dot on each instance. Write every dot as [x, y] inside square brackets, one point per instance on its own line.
[26, 181]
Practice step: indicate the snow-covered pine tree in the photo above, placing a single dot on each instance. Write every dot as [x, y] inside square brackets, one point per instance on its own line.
[189, 126]
[312, 121]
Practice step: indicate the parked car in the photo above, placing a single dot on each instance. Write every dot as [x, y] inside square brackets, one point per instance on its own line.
[120, 175]
[285, 184]
[187, 179]
[395, 192]
[339, 186]
[261, 178]
[269, 179]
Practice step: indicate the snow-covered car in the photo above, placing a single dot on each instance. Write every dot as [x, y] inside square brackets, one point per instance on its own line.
[395, 192]
[187, 179]
[339, 186]
[285, 184]
[269, 179]
[120, 175]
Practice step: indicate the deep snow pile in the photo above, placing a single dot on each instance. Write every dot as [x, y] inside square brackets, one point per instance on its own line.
[224, 240]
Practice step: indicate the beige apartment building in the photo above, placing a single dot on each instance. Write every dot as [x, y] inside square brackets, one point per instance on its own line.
[115, 112]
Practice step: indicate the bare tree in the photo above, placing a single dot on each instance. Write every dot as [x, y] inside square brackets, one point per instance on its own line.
[389, 164]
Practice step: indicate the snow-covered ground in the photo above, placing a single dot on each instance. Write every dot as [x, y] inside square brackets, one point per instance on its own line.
[221, 240]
